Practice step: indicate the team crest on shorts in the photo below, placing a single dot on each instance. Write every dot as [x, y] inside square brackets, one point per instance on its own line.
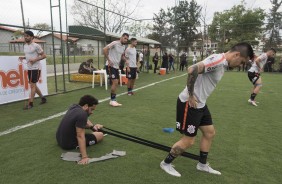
[91, 143]
[191, 129]
[177, 125]
[129, 75]
[113, 76]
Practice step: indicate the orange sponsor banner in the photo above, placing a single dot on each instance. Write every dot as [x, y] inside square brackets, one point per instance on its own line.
[14, 84]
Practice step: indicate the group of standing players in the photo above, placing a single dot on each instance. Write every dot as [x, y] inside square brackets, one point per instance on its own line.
[114, 53]
[192, 111]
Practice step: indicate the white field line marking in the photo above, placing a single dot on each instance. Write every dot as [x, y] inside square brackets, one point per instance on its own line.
[16, 128]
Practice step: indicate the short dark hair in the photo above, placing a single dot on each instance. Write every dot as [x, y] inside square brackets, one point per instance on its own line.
[30, 33]
[244, 48]
[133, 39]
[125, 34]
[90, 61]
[89, 100]
[272, 49]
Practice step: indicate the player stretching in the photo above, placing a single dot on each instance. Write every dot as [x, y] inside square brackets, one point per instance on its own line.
[192, 111]
[33, 55]
[113, 53]
[131, 62]
[254, 73]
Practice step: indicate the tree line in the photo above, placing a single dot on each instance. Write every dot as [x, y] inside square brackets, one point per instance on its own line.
[185, 25]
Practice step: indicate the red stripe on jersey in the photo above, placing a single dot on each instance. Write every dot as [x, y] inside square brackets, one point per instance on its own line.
[216, 62]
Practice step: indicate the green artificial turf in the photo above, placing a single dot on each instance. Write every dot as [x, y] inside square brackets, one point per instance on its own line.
[246, 148]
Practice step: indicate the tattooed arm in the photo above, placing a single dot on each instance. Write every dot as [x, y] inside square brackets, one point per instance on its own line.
[193, 72]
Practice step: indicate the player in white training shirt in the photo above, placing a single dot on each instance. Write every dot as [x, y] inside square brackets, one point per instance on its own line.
[33, 54]
[192, 111]
[254, 73]
[131, 65]
[114, 53]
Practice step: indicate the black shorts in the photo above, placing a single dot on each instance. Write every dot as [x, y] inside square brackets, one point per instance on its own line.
[254, 77]
[132, 73]
[189, 119]
[90, 139]
[33, 75]
[113, 72]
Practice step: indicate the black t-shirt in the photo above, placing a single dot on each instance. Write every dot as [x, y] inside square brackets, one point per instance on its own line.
[66, 133]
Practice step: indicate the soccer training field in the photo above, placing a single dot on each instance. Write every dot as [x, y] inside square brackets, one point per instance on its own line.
[246, 148]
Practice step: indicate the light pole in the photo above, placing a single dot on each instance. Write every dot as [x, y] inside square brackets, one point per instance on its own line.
[22, 14]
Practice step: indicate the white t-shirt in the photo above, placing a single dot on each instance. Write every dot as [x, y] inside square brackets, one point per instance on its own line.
[140, 56]
[32, 50]
[255, 68]
[194, 58]
[115, 53]
[206, 82]
[130, 54]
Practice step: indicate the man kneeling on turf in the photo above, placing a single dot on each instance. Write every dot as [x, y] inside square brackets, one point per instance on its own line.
[71, 131]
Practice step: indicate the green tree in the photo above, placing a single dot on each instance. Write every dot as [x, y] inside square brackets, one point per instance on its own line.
[236, 25]
[163, 29]
[177, 25]
[274, 25]
[186, 22]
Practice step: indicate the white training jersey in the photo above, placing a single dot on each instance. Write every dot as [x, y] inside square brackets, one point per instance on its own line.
[130, 54]
[32, 51]
[263, 60]
[116, 49]
[207, 81]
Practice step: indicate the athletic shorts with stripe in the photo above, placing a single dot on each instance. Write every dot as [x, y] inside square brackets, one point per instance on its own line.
[33, 75]
[132, 73]
[189, 119]
[113, 72]
[254, 77]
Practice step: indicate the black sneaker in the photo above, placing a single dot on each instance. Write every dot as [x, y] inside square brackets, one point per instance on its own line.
[43, 101]
[27, 107]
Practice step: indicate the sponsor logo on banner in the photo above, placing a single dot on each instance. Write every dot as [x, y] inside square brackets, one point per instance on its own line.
[14, 84]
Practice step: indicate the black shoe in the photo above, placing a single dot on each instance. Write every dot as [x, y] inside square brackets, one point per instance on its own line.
[43, 101]
[27, 107]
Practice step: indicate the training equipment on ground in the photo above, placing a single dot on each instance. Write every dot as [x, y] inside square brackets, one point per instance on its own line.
[75, 156]
[144, 142]
[168, 130]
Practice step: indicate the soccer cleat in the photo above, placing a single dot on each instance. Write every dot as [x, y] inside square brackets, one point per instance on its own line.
[130, 93]
[27, 107]
[254, 103]
[207, 168]
[115, 103]
[169, 168]
[43, 101]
